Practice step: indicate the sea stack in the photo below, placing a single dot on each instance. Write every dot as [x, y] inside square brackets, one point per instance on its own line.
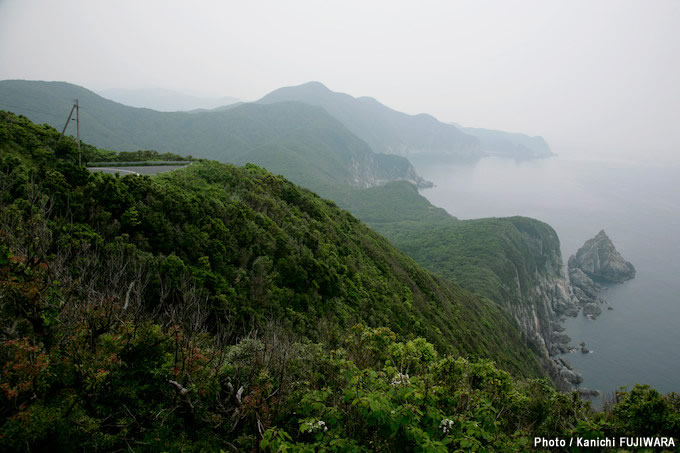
[599, 260]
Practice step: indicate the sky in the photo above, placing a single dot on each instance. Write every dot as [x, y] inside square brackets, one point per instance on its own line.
[595, 75]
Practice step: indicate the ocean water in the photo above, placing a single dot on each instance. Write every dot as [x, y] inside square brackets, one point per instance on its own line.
[638, 205]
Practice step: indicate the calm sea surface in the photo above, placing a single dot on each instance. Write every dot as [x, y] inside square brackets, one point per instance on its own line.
[638, 205]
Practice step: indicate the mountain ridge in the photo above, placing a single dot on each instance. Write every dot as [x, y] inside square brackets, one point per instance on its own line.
[257, 133]
[386, 130]
[509, 144]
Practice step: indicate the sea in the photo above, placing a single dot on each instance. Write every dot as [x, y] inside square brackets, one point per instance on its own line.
[637, 203]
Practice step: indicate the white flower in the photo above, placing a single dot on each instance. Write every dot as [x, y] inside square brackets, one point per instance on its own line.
[401, 379]
[446, 425]
[320, 425]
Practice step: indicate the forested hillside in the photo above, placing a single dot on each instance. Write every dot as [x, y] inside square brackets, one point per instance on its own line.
[515, 262]
[486, 256]
[218, 307]
[302, 142]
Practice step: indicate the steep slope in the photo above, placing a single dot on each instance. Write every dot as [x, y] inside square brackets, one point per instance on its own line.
[302, 142]
[254, 246]
[124, 303]
[386, 130]
[509, 144]
[515, 262]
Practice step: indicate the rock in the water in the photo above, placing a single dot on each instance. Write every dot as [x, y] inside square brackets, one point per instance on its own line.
[584, 286]
[571, 376]
[564, 363]
[588, 393]
[592, 310]
[599, 259]
[557, 327]
[558, 338]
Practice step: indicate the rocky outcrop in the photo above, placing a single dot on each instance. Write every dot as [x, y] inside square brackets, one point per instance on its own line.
[599, 260]
[566, 372]
[588, 393]
[371, 170]
[584, 286]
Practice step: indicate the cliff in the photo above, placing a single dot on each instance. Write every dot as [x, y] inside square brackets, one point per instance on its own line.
[514, 262]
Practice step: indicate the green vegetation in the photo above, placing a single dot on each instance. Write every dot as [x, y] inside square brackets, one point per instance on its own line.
[300, 141]
[223, 308]
[497, 258]
[393, 202]
[256, 246]
[312, 149]
[103, 156]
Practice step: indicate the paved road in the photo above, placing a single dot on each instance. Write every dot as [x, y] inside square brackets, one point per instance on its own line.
[142, 170]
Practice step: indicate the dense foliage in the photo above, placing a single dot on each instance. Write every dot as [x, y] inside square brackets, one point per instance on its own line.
[224, 308]
[142, 155]
[497, 258]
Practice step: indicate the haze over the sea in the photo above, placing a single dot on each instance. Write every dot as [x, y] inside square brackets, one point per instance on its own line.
[597, 76]
[638, 204]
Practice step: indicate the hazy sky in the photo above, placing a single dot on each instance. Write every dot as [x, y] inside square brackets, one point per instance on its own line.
[580, 73]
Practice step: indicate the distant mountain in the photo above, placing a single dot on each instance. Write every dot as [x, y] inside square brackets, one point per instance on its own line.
[165, 100]
[509, 144]
[300, 141]
[417, 137]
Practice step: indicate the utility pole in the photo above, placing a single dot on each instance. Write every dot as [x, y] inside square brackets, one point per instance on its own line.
[67, 121]
[78, 129]
[76, 107]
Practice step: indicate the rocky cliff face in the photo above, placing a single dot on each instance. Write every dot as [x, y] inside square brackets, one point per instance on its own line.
[544, 301]
[552, 297]
[599, 260]
[371, 170]
[586, 291]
